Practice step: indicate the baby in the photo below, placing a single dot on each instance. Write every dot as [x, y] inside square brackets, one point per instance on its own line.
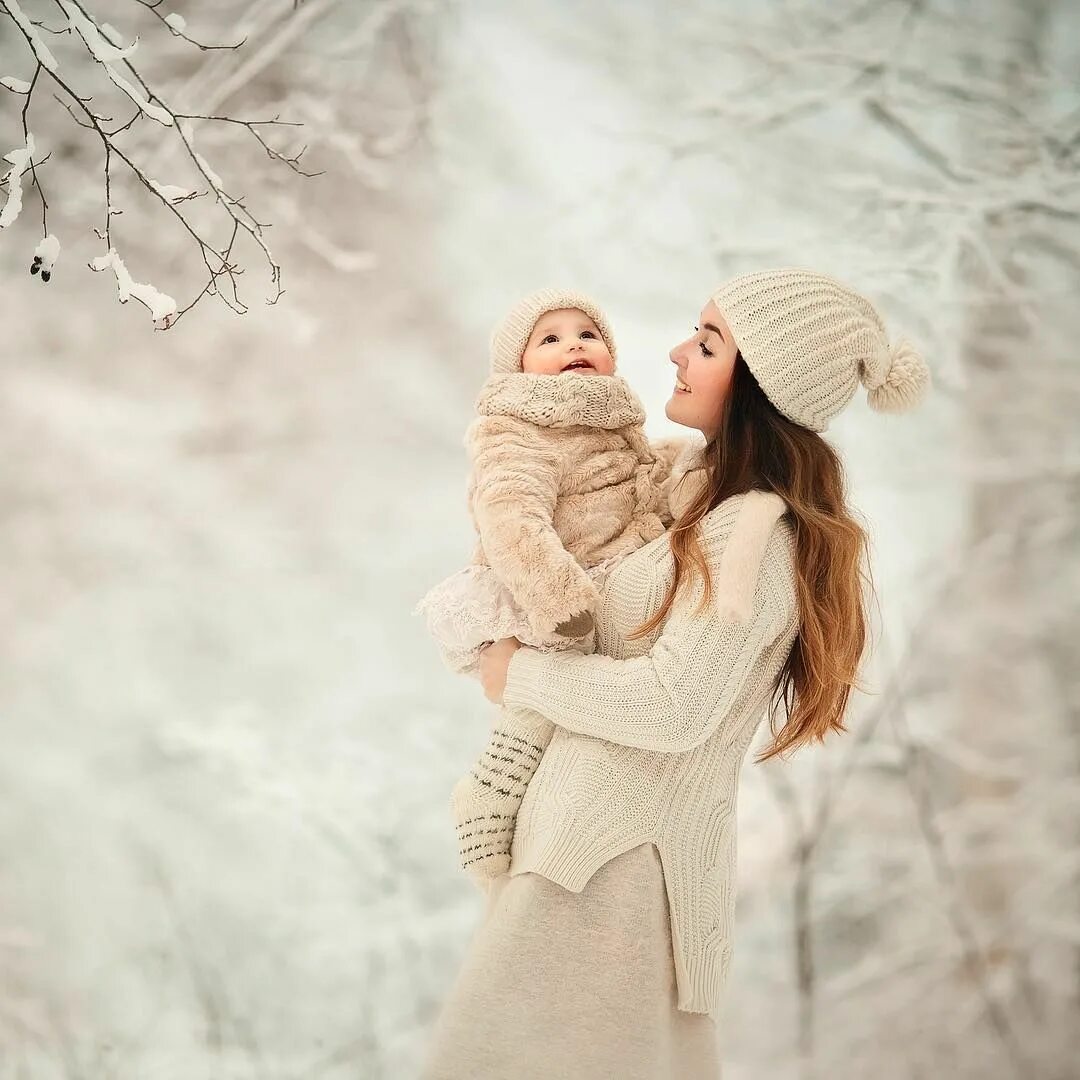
[563, 484]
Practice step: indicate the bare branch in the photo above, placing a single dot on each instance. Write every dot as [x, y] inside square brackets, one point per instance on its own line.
[252, 125]
[177, 25]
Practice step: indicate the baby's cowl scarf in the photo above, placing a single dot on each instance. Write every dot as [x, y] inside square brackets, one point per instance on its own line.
[566, 400]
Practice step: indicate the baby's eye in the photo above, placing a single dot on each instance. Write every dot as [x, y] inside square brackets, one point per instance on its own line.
[549, 337]
[587, 333]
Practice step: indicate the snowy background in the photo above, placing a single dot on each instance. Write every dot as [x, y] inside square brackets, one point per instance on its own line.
[225, 842]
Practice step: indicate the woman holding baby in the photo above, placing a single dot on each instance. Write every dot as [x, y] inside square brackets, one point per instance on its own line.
[648, 605]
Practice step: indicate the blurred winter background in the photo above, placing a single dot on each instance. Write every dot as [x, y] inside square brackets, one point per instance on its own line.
[225, 844]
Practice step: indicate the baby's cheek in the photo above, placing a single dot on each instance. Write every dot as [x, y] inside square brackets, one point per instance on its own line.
[533, 366]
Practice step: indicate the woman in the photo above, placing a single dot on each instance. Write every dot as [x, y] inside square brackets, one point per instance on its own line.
[604, 950]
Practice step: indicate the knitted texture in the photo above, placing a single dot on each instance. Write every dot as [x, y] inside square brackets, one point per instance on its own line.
[485, 801]
[563, 485]
[511, 335]
[569, 399]
[651, 733]
[809, 340]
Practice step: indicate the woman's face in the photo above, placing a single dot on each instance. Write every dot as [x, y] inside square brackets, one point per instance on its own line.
[566, 340]
[704, 363]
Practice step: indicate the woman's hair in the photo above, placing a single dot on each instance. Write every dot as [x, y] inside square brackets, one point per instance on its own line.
[756, 446]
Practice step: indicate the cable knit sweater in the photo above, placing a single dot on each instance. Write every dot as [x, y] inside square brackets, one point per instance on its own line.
[651, 734]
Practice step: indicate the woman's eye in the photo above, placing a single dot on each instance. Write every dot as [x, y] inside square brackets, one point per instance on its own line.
[704, 350]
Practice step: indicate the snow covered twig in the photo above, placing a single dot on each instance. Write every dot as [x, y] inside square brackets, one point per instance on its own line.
[161, 307]
[105, 45]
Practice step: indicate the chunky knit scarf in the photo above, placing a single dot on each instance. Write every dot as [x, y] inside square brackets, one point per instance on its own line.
[566, 400]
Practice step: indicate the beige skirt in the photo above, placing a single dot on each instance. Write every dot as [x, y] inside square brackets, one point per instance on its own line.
[558, 985]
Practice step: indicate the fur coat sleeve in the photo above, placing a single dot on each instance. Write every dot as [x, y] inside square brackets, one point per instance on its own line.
[515, 484]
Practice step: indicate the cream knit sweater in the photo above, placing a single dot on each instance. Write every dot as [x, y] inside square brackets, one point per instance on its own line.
[651, 734]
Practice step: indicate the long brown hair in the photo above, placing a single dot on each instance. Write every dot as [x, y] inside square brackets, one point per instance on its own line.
[756, 446]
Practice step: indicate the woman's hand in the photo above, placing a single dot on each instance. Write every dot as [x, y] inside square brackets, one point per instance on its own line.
[493, 662]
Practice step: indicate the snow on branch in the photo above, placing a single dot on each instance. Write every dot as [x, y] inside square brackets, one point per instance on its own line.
[105, 45]
[29, 30]
[161, 307]
[20, 162]
[105, 54]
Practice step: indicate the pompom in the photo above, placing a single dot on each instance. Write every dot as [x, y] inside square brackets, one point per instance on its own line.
[906, 381]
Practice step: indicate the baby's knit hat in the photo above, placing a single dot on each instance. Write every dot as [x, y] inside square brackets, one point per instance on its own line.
[809, 340]
[509, 338]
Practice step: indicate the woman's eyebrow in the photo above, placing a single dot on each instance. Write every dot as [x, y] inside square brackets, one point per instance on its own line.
[715, 330]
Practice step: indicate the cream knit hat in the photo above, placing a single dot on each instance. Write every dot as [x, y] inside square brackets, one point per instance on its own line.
[809, 340]
[509, 338]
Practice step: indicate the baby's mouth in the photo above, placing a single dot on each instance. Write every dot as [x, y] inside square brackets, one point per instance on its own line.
[577, 365]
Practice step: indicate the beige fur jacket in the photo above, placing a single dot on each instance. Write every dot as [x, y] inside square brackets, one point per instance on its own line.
[563, 478]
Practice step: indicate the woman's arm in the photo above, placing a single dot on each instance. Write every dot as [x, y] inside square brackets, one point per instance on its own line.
[516, 476]
[674, 697]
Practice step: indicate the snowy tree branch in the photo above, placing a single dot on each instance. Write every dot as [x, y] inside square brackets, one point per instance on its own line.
[105, 46]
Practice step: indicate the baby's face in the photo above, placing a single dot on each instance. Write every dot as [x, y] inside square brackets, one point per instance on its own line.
[566, 340]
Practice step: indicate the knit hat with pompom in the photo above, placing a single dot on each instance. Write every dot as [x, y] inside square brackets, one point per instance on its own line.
[511, 335]
[809, 341]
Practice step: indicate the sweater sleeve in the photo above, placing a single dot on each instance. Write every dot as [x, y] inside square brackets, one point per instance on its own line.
[516, 484]
[675, 696]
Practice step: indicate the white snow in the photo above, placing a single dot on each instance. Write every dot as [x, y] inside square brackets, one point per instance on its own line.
[49, 251]
[187, 133]
[105, 53]
[171, 192]
[114, 35]
[161, 306]
[176, 21]
[17, 86]
[20, 159]
[100, 46]
[212, 176]
[227, 747]
[40, 49]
